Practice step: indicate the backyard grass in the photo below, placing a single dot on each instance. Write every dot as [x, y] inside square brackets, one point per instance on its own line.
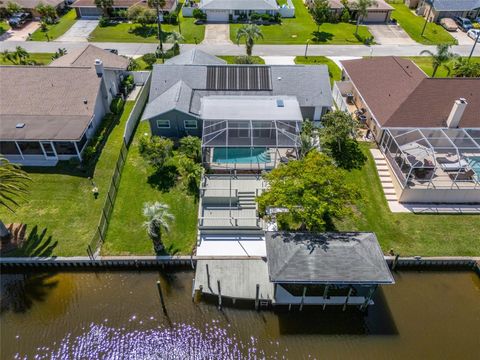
[413, 25]
[425, 63]
[124, 32]
[39, 58]
[139, 184]
[56, 30]
[409, 234]
[231, 59]
[61, 200]
[301, 28]
[334, 72]
[4, 27]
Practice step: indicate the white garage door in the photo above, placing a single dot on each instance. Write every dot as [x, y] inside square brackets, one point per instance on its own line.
[376, 16]
[217, 15]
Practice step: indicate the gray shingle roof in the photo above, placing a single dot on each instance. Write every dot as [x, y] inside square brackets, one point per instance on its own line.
[238, 5]
[349, 258]
[456, 5]
[309, 84]
[195, 56]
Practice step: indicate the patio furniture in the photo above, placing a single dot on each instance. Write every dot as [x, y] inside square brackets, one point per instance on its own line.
[350, 99]
[453, 166]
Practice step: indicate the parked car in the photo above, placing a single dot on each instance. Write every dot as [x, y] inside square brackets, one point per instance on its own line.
[449, 24]
[473, 33]
[463, 23]
[18, 19]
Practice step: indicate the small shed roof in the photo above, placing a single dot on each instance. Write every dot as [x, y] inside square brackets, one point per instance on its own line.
[250, 108]
[329, 258]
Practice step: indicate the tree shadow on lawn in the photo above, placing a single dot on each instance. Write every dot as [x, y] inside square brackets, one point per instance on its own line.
[322, 36]
[37, 244]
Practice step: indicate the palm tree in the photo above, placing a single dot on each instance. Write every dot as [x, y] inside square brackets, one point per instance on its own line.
[158, 5]
[306, 144]
[362, 7]
[18, 57]
[441, 58]
[175, 37]
[250, 32]
[13, 185]
[158, 218]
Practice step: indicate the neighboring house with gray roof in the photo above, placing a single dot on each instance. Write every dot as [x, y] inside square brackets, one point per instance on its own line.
[195, 57]
[225, 10]
[50, 112]
[30, 5]
[176, 92]
[439, 9]
[343, 268]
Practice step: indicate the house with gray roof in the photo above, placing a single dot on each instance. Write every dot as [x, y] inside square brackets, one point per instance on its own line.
[338, 268]
[195, 57]
[436, 10]
[51, 112]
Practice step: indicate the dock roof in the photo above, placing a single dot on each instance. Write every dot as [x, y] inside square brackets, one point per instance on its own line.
[328, 258]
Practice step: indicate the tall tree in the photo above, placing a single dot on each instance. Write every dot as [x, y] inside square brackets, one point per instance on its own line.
[466, 68]
[175, 38]
[338, 139]
[158, 218]
[441, 58]
[362, 7]
[47, 12]
[13, 186]
[312, 189]
[105, 5]
[158, 5]
[250, 33]
[12, 8]
[320, 11]
[191, 147]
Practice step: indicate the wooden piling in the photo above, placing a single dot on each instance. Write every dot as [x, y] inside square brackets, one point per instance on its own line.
[193, 289]
[257, 295]
[160, 293]
[395, 262]
[325, 293]
[348, 298]
[303, 298]
[219, 295]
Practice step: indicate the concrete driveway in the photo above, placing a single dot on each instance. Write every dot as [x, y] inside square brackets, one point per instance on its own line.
[217, 34]
[390, 35]
[79, 31]
[462, 37]
[22, 33]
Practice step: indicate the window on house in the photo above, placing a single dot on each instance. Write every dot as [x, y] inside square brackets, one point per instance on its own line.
[30, 147]
[65, 148]
[163, 124]
[190, 124]
[8, 148]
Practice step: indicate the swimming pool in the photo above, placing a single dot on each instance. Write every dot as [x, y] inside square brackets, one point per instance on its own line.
[474, 163]
[241, 155]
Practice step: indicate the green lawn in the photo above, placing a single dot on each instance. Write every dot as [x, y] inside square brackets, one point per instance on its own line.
[56, 30]
[334, 71]
[425, 63]
[124, 32]
[409, 234]
[231, 59]
[413, 25]
[4, 27]
[61, 200]
[39, 58]
[302, 27]
[126, 235]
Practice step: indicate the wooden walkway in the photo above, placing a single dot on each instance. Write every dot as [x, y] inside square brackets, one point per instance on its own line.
[238, 278]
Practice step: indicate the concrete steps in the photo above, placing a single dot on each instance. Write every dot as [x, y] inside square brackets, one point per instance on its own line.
[385, 176]
[246, 200]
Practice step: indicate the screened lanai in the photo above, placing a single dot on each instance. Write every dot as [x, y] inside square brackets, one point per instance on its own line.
[434, 157]
[250, 133]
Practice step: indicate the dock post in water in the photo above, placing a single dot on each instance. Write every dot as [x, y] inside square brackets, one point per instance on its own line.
[395, 262]
[193, 289]
[325, 293]
[219, 296]
[303, 297]
[159, 287]
[348, 298]
[257, 295]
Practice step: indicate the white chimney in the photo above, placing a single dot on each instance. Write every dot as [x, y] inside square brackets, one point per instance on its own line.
[456, 114]
[99, 67]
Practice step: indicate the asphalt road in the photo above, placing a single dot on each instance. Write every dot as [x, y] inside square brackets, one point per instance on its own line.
[132, 49]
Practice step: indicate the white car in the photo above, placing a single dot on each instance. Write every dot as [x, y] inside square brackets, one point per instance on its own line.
[473, 33]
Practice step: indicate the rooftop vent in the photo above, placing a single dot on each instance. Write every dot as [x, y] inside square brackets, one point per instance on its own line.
[280, 103]
[85, 101]
[20, 125]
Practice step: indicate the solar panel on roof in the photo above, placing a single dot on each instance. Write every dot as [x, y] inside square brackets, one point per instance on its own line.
[238, 78]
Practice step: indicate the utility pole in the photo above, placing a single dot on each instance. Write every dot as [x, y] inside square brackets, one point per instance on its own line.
[474, 44]
[426, 18]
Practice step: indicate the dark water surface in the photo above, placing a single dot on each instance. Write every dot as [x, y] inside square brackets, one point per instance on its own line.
[116, 315]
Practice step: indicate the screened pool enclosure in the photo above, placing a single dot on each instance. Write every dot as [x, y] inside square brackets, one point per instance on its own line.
[434, 158]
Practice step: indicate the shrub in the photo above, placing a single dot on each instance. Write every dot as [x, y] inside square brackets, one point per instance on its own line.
[88, 154]
[245, 59]
[127, 84]
[156, 150]
[116, 105]
[191, 147]
[150, 59]
[345, 17]
[104, 21]
[199, 14]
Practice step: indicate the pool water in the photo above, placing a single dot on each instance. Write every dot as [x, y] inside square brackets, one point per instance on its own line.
[241, 155]
[474, 163]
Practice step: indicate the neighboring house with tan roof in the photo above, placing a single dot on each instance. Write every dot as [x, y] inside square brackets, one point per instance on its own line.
[30, 5]
[428, 128]
[86, 9]
[48, 113]
[378, 13]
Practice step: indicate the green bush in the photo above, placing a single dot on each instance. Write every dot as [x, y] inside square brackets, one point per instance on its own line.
[199, 14]
[88, 154]
[104, 21]
[116, 105]
[150, 59]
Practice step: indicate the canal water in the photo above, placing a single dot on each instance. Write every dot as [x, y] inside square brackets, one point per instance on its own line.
[117, 315]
